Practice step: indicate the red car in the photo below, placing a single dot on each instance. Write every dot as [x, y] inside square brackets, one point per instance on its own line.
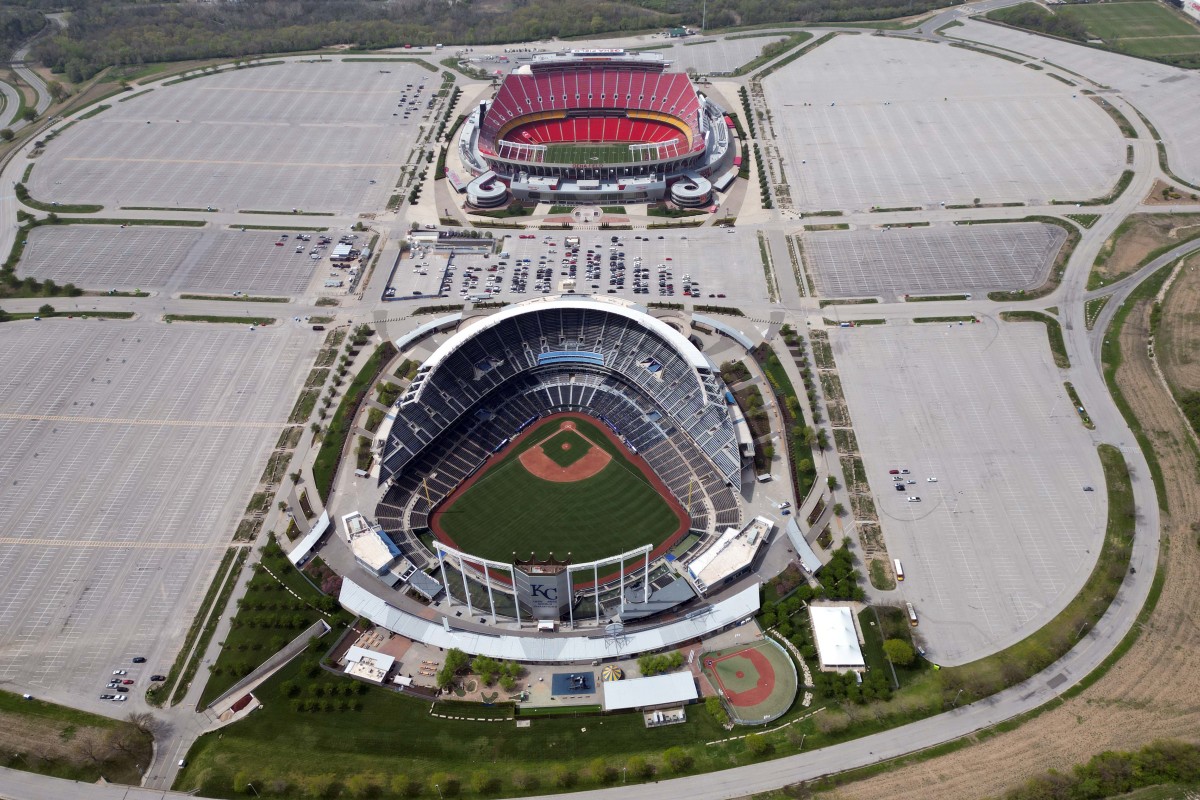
[893, 472]
[127, 682]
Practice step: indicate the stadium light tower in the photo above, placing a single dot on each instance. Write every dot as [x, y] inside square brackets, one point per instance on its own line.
[703, 16]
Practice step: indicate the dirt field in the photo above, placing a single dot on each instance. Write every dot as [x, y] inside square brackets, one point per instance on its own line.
[1176, 342]
[1136, 238]
[1153, 692]
[1173, 195]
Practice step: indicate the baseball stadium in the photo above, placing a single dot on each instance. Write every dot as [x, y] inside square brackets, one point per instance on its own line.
[578, 430]
[597, 126]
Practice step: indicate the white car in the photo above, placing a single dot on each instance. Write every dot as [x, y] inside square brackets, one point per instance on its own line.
[912, 498]
[118, 672]
[931, 480]
[119, 698]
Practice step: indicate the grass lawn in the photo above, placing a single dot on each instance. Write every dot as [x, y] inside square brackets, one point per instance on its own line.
[36, 736]
[394, 735]
[1117, 23]
[508, 509]
[268, 617]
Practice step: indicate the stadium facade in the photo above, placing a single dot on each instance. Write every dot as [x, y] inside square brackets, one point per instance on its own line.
[604, 358]
[597, 126]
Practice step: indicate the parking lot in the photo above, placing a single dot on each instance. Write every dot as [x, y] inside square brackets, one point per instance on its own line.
[1169, 96]
[937, 124]
[1006, 535]
[169, 259]
[129, 451]
[968, 258]
[706, 265]
[322, 137]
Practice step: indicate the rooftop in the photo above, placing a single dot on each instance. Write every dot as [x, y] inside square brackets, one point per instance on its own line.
[731, 553]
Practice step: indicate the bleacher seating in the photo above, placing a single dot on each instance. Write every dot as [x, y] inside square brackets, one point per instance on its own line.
[661, 97]
[556, 358]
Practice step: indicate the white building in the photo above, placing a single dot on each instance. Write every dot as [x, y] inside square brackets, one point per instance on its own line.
[372, 548]
[673, 689]
[837, 637]
[368, 664]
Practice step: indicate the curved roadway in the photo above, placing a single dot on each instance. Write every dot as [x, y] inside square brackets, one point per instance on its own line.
[184, 725]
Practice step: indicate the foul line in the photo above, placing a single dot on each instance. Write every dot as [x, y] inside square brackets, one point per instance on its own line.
[176, 423]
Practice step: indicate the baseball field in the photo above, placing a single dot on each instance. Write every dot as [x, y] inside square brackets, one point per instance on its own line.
[566, 485]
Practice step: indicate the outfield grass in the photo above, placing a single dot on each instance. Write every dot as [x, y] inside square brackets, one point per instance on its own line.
[508, 509]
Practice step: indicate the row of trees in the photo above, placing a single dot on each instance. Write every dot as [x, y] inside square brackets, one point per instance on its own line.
[658, 664]
[132, 34]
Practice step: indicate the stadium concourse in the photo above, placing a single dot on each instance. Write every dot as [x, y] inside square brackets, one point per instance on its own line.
[597, 126]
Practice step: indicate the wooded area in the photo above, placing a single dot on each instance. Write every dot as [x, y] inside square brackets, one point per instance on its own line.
[132, 34]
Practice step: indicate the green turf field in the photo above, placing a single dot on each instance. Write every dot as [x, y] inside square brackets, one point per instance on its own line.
[589, 154]
[1146, 28]
[509, 510]
[576, 447]
[1144, 18]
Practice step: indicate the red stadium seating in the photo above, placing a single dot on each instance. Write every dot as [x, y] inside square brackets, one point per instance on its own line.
[671, 95]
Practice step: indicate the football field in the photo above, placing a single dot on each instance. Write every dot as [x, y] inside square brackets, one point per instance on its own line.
[586, 495]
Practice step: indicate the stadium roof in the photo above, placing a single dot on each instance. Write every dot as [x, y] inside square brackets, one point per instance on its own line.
[837, 638]
[659, 690]
[662, 329]
[544, 649]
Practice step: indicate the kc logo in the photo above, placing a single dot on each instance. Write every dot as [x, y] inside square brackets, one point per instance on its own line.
[548, 592]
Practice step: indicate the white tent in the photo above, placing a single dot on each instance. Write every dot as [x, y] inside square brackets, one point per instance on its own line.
[837, 638]
[674, 687]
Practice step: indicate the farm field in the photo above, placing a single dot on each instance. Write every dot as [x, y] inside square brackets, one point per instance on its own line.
[507, 509]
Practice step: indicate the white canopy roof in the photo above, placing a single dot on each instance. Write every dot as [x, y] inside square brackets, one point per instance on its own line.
[543, 649]
[837, 638]
[674, 687]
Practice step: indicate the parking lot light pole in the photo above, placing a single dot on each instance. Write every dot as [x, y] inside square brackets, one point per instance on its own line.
[251, 787]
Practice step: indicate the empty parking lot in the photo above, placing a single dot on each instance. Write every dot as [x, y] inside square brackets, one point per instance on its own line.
[969, 258]
[870, 121]
[319, 136]
[1006, 535]
[167, 259]
[129, 450]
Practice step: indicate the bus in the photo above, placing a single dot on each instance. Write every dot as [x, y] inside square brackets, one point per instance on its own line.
[899, 569]
[912, 615]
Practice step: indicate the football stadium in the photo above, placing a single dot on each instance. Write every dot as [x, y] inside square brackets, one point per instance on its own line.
[573, 440]
[597, 126]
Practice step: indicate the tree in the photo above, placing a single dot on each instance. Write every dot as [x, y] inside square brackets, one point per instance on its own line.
[145, 722]
[365, 784]
[757, 745]
[564, 776]
[677, 759]
[718, 712]
[445, 783]
[601, 771]
[899, 652]
[29, 114]
[46, 310]
[833, 482]
[483, 782]
[639, 768]
[295, 476]
[404, 786]
[7, 134]
[838, 509]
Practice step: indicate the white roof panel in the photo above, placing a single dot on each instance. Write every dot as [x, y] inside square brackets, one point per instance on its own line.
[674, 687]
[837, 638]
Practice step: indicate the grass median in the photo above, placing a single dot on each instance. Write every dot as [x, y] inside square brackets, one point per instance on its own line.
[247, 320]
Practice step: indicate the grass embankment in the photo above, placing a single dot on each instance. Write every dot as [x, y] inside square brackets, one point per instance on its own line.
[49, 739]
[228, 298]
[1053, 331]
[274, 228]
[158, 694]
[277, 607]
[800, 453]
[59, 208]
[330, 455]
[1138, 240]
[217, 319]
[28, 315]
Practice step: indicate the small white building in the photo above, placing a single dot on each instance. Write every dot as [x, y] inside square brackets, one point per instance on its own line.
[836, 637]
[372, 548]
[369, 665]
[672, 689]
